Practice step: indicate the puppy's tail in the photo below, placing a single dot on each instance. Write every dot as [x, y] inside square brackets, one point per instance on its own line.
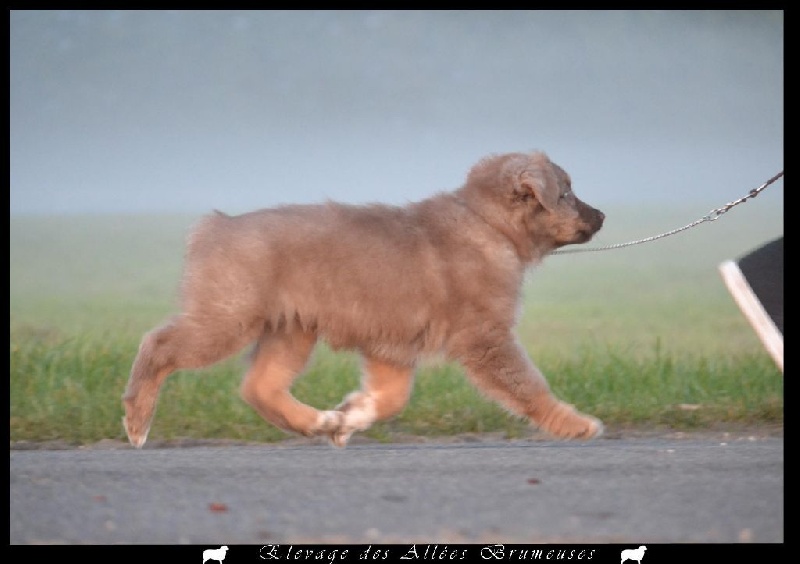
[206, 231]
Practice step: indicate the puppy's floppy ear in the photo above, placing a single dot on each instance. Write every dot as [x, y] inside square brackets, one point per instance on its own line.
[533, 180]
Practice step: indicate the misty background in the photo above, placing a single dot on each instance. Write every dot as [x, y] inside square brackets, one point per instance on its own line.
[185, 111]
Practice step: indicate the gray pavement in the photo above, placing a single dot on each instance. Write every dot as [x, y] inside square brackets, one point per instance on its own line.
[630, 490]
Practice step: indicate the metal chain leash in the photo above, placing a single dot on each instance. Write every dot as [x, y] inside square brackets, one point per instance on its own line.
[713, 215]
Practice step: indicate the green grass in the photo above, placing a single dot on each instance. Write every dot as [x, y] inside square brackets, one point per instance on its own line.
[644, 336]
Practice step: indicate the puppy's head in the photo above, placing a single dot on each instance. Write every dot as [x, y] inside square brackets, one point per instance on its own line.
[529, 196]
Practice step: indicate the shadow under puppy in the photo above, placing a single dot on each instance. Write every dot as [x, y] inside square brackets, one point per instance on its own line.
[395, 283]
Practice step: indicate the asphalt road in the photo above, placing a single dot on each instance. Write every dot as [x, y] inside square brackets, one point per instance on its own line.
[628, 490]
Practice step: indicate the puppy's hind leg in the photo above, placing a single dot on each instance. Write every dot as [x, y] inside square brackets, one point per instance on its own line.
[385, 390]
[185, 341]
[277, 360]
[501, 369]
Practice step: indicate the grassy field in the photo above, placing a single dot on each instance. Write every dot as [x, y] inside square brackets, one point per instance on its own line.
[645, 336]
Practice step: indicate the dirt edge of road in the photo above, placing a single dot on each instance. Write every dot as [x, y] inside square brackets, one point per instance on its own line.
[726, 432]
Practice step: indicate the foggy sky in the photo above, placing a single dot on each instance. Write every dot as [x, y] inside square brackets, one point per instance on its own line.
[174, 111]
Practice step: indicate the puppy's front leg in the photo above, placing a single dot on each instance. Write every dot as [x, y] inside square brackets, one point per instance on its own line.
[385, 390]
[500, 368]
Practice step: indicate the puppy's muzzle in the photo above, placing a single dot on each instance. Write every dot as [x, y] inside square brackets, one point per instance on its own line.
[592, 221]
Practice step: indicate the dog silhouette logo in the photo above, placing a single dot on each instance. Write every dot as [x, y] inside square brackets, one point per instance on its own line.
[217, 554]
[633, 554]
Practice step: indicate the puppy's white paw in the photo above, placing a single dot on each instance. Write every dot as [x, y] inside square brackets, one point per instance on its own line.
[339, 438]
[328, 422]
[595, 428]
[359, 413]
[136, 437]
